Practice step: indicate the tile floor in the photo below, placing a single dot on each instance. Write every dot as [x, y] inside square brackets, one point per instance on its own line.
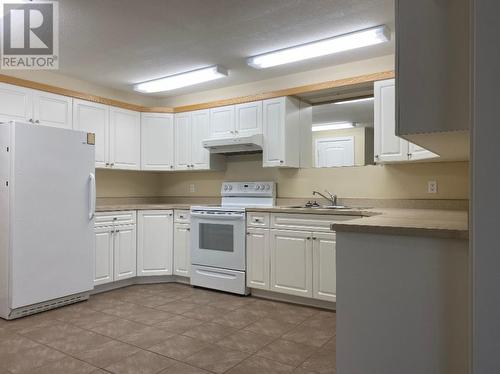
[170, 329]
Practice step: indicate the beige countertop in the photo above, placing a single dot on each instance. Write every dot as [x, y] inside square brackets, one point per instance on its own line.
[452, 224]
[118, 207]
[392, 221]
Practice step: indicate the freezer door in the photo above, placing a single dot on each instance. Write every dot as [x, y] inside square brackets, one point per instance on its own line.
[52, 198]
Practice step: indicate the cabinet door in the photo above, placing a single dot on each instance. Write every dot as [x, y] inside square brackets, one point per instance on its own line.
[94, 117]
[183, 141]
[200, 156]
[415, 152]
[125, 139]
[16, 103]
[125, 252]
[258, 258]
[103, 255]
[182, 249]
[291, 262]
[324, 267]
[274, 132]
[155, 242]
[248, 118]
[157, 141]
[53, 110]
[388, 146]
[222, 122]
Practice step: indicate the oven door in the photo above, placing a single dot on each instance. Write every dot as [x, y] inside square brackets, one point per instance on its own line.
[218, 239]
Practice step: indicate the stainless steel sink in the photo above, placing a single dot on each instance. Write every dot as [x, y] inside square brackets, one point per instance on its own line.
[321, 207]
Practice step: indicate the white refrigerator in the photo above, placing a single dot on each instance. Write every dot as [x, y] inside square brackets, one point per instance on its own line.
[47, 205]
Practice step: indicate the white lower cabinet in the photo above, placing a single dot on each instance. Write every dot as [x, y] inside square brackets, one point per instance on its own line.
[324, 274]
[115, 256]
[125, 252]
[103, 255]
[155, 242]
[292, 254]
[182, 249]
[291, 262]
[258, 258]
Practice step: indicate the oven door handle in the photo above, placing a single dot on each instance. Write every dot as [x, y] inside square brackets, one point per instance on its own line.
[218, 216]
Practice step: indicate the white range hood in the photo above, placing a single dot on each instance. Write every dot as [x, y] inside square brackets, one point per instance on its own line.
[242, 144]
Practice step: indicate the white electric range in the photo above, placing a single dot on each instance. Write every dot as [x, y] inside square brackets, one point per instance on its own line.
[218, 245]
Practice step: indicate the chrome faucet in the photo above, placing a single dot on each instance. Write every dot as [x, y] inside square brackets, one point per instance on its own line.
[332, 199]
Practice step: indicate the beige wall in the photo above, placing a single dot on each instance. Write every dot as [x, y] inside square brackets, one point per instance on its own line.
[74, 84]
[406, 181]
[117, 183]
[374, 65]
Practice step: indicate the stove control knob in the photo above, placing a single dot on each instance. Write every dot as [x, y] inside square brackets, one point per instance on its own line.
[257, 187]
[268, 187]
[229, 187]
[262, 187]
[225, 187]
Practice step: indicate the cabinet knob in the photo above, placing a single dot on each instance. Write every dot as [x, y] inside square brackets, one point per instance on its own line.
[192, 166]
[107, 164]
[281, 161]
[30, 120]
[308, 238]
[37, 121]
[171, 166]
[314, 238]
[188, 229]
[377, 157]
[112, 164]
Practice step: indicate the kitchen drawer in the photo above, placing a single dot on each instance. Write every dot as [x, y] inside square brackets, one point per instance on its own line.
[306, 222]
[258, 219]
[182, 216]
[126, 217]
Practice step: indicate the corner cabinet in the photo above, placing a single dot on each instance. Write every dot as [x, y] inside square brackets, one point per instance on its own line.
[281, 127]
[155, 242]
[388, 146]
[191, 128]
[157, 141]
[125, 139]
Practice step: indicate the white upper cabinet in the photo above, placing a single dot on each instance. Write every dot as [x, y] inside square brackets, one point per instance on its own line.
[94, 117]
[16, 103]
[222, 122]
[24, 104]
[183, 141]
[200, 157]
[157, 141]
[155, 242]
[191, 128]
[248, 118]
[53, 110]
[125, 139]
[388, 147]
[281, 125]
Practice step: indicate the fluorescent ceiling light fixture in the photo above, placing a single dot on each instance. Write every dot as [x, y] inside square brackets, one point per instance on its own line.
[188, 78]
[350, 101]
[322, 47]
[333, 126]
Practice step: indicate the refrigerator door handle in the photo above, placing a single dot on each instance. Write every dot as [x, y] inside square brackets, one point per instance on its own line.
[92, 196]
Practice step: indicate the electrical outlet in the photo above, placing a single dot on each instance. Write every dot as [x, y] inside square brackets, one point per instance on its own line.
[432, 187]
[192, 188]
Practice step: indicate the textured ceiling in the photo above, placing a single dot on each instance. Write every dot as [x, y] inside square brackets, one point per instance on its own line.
[117, 43]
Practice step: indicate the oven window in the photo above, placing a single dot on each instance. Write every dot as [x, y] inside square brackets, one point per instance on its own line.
[217, 237]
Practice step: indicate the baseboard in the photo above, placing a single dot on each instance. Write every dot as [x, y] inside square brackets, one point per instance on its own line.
[263, 294]
[139, 280]
[270, 295]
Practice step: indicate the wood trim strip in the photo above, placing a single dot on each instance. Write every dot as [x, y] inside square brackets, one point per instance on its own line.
[212, 104]
[290, 91]
[66, 92]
